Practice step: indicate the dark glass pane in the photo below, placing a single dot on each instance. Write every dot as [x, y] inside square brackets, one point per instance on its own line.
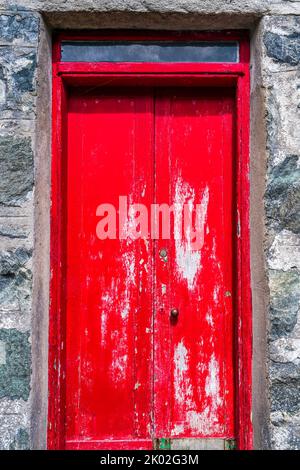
[164, 51]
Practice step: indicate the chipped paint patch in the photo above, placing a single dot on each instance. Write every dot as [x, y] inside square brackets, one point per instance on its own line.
[123, 292]
[203, 422]
[181, 358]
[108, 302]
[216, 294]
[178, 429]
[212, 383]
[128, 260]
[209, 318]
[183, 388]
[212, 390]
[119, 356]
[129, 265]
[198, 421]
[188, 260]
[137, 385]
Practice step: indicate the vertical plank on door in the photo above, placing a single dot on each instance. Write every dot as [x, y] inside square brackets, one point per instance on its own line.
[194, 365]
[109, 322]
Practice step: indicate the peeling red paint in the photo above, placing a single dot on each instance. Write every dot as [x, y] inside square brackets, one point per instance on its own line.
[122, 354]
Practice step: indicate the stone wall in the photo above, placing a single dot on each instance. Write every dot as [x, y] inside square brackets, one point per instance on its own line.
[24, 178]
[18, 49]
[282, 202]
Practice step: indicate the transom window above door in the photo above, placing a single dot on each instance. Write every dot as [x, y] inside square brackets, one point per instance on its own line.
[150, 51]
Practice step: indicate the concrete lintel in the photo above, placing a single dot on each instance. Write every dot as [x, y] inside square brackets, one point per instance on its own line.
[153, 20]
[183, 14]
[205, 7]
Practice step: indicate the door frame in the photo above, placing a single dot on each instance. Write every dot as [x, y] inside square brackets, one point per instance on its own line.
[235, 75]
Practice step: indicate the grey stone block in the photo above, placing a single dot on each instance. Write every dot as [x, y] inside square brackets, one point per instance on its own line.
[21, 440]
[285, 396]
[16, 161]
[284, 49]
[283, 195]
[17, 82]
[15, 373]
[15, 280]
[285, 301]
[286, 437]
[284, 372]
[18, 28]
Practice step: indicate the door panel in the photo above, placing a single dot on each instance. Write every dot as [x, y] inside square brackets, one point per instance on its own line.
[109, 321]
[133, 373]
[193, 361]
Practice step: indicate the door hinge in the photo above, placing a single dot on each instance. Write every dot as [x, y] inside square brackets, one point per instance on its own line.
[162, 444]
[230, 444]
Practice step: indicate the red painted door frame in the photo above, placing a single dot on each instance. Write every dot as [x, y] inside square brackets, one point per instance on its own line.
[138, 74]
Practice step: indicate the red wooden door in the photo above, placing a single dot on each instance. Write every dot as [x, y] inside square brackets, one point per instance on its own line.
[193, 361]
[134, 372]
[109, 291]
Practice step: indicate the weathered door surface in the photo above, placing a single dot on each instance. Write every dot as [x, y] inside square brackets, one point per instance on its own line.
[149, 322]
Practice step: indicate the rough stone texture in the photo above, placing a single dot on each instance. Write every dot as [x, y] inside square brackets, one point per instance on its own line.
[15, 372]
[285, 286]
[284, 7]
[15, 281]
[277, 61]
[16, 160]
[176, 14]
[282, 204]
[21, 440]
[20, 28]
[186, 6]
[283, 194]
[14, 416]
[284, 49]
[17, 87]
[19, 33]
